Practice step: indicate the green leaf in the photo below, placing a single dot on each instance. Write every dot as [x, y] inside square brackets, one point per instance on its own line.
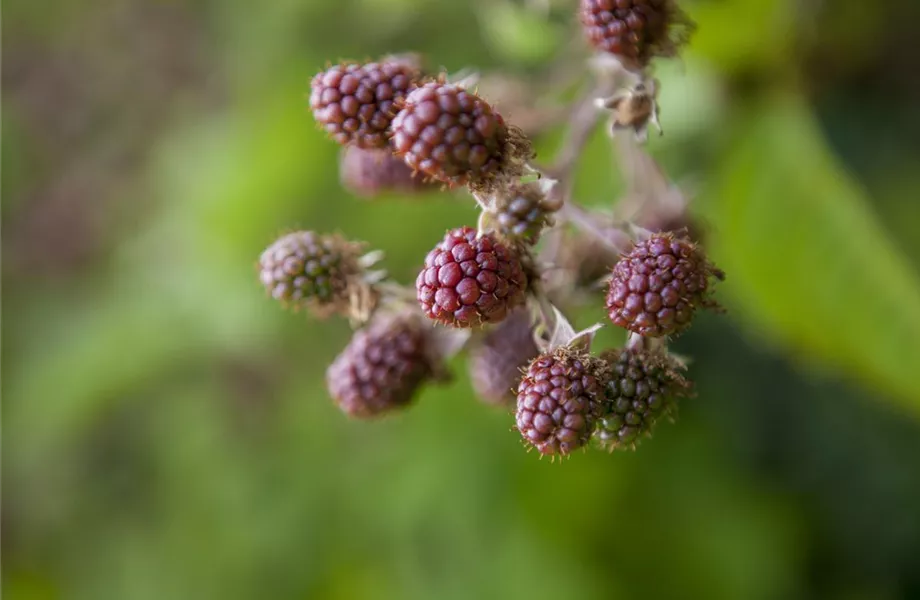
[807, 261]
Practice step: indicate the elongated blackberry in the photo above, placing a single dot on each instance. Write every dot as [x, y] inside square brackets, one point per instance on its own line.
[455, 137]
[355, 103]
[635, 30]
[497, 362]
[469, 280]
[381, 369]
[642, 389]
[558, 401]
[656, 288]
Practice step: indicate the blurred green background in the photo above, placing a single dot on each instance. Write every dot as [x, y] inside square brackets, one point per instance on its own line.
[166, 429]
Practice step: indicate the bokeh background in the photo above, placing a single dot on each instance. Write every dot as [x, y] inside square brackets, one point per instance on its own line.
[166, 429]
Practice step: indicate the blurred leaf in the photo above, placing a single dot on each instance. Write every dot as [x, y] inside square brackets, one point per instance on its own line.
[807, 260]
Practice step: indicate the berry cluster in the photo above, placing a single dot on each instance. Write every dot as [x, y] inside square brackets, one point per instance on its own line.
[495, 287]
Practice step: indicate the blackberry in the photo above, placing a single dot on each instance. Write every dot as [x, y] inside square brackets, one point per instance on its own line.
[469, 280]
[355, 103]
[307, 269]
[522, 212]
[369, 172]
[642, 389]
[455, 137]
[382, 367]
[496, 363]
[656, 288]
[635, 30]
[558, 401]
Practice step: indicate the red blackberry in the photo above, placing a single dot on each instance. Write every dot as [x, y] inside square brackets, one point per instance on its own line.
[306, 269]
[497, 361]
[368, 173]
[558, 401]
[381, 368]
[634, 30]
[469, 280]
[655, 289]
[356, 103]
[522, 212]
[642, 388]
[455, 137]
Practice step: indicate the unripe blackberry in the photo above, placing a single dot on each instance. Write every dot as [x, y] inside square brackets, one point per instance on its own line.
[455, 137]
[655, 289]
[522, 212]
[469, 280]
[558, 401]
[496, 363]
[641, 390]
[634, 30]
[307, 269]
[369, 172]
[381, 368]
[355, 103]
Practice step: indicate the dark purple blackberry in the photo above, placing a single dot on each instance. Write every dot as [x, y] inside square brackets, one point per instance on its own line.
[496, 363]
[368, 173]
[641, 390]
[307, 269]
[635, 30]
[356, 103]
[523, 212]
[468, 280]
[558, 401]
[656, 288]
[381, 368]
[455, 137]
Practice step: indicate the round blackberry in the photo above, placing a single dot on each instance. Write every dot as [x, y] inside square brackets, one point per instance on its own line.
[469, 280]
[455, 137]
[634, 30]
[370, 172]
[642, 388]
[523, 212]
[656, 288]
[496, 363]
[355, 103]
[558, 401]
[307, 269]
[381, 368]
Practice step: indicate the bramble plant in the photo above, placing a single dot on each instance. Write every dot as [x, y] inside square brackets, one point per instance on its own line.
[404, 130]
